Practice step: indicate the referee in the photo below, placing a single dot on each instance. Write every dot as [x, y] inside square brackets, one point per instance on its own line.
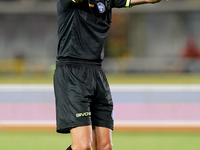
[83, 99]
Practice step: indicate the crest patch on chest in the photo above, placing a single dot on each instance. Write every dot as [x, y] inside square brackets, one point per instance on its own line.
[101, 7]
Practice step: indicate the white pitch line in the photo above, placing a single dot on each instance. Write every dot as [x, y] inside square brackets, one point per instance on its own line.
[117, 123]
[114, 87]
[26, 88]
[158, 123]
[155, 87]
[28, 123]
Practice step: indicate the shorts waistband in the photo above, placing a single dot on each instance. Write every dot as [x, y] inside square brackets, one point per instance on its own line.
[77, 61]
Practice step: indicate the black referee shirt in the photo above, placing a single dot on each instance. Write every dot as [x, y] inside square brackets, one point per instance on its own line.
[82, 29]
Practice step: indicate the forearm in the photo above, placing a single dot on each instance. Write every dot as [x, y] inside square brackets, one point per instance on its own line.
[139, 2]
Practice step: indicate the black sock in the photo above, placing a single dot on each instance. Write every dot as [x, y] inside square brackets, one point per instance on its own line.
[69, 148]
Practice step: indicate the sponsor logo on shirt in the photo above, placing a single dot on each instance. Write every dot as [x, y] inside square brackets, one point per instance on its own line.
[101, 7]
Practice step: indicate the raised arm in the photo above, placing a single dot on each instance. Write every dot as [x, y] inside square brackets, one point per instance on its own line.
[139, 2]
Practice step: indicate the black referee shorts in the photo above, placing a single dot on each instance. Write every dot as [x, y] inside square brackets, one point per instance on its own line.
[82, 94]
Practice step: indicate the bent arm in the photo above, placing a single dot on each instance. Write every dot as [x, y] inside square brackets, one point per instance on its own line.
[139, 2]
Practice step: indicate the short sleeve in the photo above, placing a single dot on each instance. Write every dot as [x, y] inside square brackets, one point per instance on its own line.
[121, 3]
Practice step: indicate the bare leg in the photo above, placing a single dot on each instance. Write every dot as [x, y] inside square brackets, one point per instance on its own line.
[102, 138]
[81, 138]
[94, 139]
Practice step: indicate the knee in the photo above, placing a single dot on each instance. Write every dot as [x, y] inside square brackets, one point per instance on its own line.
[107, 146]
[82, 146]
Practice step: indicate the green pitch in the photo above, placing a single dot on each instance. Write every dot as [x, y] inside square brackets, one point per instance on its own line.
[48, 140]
[112, 78]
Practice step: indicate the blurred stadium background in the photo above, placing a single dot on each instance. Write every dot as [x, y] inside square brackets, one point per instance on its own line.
[152, 61]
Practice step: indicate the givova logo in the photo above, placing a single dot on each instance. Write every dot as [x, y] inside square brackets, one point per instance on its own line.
[85, 114]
